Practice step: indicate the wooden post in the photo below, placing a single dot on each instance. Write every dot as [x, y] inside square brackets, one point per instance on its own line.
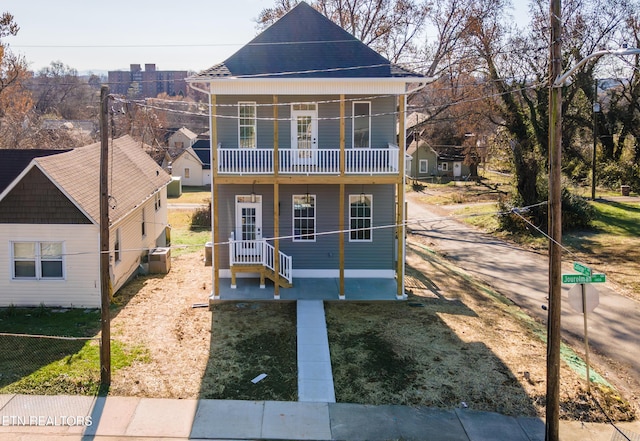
[342, 136]
[105, 318]
[276, 242]
[215, 266]
[276, 202]
[341, 241]
[341, 199]
[400, 206]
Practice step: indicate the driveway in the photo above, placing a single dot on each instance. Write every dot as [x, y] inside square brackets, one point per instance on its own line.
[522, 275]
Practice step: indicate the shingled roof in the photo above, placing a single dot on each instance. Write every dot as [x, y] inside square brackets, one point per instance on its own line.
[133, 177]
[305, 44]
[14, 161]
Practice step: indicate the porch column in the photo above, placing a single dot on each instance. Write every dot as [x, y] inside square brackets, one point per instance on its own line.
[214, 199]
[402, 136]
[276, 204]
[341, 210]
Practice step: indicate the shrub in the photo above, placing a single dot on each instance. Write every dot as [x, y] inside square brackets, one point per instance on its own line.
[201, 217]
[614, 174]
[577, 213]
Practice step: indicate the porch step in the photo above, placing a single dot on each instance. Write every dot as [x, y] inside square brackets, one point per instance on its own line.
[271, 275]
[264, 272]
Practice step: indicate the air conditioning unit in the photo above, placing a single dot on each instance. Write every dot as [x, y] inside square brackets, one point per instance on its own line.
[160, 260]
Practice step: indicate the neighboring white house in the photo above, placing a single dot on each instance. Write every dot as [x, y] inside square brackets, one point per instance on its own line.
[182, 139]
[49, 224]
[187, 165]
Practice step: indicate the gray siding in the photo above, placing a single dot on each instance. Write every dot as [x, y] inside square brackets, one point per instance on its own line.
[324, 252]
[383, 124]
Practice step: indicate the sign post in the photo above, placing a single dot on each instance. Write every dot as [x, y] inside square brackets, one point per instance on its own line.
[586, 336]
[584, 298]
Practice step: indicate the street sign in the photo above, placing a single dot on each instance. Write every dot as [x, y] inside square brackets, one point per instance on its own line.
[590, 301]
[580, 278]
[582, 269]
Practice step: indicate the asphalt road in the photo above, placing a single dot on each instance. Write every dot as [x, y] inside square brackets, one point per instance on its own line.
[522, 275]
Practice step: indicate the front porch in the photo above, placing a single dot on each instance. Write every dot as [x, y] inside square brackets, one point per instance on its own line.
[356, 289]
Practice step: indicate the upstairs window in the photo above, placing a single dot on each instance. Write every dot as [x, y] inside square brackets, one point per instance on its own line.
[247, 125]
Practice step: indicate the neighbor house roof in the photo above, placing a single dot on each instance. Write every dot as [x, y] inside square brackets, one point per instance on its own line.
[133, 176]
[202, 149]
[186, 132]
[14, 161]
[443, 152]
[305, 44]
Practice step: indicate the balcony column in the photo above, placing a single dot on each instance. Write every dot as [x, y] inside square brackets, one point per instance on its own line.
[341, 209]
[276, 203]
[215, 267]
[402, 136]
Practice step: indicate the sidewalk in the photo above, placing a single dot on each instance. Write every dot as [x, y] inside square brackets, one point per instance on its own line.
[128, 418]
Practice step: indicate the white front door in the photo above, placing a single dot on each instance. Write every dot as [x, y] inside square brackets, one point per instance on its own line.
[457, 169]
[304, 133]
[248, 225]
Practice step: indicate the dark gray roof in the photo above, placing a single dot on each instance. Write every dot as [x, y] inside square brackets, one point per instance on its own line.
[305, 44]
[14, 161]
[202, 148]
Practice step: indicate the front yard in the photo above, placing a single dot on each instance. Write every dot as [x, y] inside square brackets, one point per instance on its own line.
[453, 342]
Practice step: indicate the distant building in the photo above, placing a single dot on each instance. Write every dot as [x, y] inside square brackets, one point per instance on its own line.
[147, 83]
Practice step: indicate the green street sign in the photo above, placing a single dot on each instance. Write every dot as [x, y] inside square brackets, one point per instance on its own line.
[582, 269]
[581, 278]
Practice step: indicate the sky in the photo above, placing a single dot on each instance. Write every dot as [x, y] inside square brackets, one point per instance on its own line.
[92, 36]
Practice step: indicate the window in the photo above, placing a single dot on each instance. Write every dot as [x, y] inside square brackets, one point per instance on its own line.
[360, 216]
[445, 166]
[361, 124]
[116, 246]
[179, 144]
[186, 173]
[304, 218]
[144, 226]
[158, 201]
[37, 260]
[247, 125]
[424, 166]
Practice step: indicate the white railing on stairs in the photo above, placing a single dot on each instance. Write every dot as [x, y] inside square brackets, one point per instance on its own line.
[259, 252]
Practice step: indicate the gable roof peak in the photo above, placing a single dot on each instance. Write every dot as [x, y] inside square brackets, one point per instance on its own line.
[304, 44]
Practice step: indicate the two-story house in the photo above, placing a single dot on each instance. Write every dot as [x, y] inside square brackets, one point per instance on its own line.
[307, 174]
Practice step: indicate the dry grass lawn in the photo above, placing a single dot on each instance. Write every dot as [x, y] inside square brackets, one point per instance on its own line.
[451, 343]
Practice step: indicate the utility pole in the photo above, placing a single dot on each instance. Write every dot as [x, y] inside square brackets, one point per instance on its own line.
[555, 226]
[105, 343]
[596, 109]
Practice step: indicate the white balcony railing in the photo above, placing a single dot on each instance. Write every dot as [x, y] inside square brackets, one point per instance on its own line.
[308, 162]
[259, 252]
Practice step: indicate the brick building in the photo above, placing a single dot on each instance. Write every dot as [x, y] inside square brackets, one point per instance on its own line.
[147, 83]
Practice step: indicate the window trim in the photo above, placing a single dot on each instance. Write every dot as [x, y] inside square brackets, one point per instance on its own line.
[117, 246]
[38, 260]
[353, 124]
[353, 230]
[144, 221]
[303, 237]
[426, 169]
[187, 173]
[444, 166]
[254, 123]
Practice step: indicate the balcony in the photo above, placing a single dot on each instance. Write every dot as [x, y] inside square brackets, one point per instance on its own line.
[370, 161]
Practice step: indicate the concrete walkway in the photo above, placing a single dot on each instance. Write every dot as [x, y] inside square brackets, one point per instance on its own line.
[30, 418]
[315, 378]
